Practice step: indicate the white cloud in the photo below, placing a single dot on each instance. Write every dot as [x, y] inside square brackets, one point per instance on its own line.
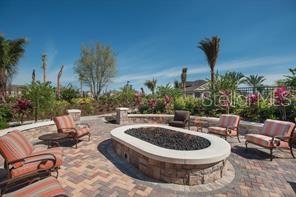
[237, 65]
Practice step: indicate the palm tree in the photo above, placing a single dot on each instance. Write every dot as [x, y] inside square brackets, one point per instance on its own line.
[33, 76]
[291, 79]
[234, 79]
[151, 85]
[10, 53]
[211, 49]
[177, 84]
[44, 66]
[184, 79]
[254, 81]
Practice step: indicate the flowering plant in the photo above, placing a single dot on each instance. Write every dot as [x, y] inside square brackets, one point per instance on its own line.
[152, 103]
[138, 99]
[225, 99]
[21, 108]
[280, 95]
[253, 98]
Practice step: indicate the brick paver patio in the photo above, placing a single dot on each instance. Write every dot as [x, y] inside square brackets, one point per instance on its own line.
[94, 170]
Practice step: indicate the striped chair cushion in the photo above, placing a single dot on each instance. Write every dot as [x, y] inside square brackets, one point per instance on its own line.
[48, 187]
[221, 131]
[15, 146]
[277, 128]
[82, 132]
[64, 123]
[33, 163]
[261, 140]
[228, 120]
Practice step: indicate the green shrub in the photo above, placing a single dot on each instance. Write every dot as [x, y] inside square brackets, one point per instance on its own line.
[191, 104]
[68, 93]
[42, 96]
[60, 107]
[81, 101]
[168, 90]
[5, 115]
[179, 103]
[291, 110]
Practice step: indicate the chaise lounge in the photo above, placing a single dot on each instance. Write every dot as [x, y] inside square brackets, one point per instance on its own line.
[275, 134]
[227, 126]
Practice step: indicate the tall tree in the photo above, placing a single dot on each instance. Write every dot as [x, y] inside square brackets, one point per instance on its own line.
[33, 76]
[211, 49]
[234, 79]
[184, 79]
[142, 91]
[97, 65]
[228, 82]
[254, 81]
[81, 84]
[291, 79]
[177, 84]
[58, 91]
[44, 65]
[151, 85]
[10, 53]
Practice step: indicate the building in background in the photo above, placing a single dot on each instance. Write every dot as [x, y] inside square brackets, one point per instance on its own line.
[195, 88]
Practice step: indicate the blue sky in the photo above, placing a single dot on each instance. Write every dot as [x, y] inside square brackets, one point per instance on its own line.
[154, 38]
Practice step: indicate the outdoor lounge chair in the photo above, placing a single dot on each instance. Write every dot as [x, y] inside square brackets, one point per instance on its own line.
[66, 124]
[227, 126]
[21, 158]
[47, 187]
[274, 134]
[181, 118]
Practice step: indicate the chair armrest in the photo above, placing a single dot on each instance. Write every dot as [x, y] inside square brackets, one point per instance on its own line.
[5, 185]
[285, 138]
[53, 159]
[230, 128]
[83, 124]
[74, 130]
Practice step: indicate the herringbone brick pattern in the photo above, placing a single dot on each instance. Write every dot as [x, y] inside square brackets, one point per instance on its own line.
[94, 170]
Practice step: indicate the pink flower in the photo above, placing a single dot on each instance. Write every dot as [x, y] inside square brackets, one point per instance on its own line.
[253, 98]
[152, 103]
[167, 100]
[225, 102]
[280, 95]
[22, 105]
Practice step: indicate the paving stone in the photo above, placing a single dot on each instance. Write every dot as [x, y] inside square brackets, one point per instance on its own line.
[95, 170]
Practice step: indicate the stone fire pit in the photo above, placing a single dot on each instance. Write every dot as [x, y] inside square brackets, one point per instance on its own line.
[177, 160]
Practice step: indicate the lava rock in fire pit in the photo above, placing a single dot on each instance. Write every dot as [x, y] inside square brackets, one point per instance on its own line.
[169, 139]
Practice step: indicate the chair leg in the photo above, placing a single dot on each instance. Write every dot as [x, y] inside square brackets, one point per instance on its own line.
[57, 172]
[238, 139]
[89, 137]
[291, 150]
[271, 156]
[246, 143]
[76, 140]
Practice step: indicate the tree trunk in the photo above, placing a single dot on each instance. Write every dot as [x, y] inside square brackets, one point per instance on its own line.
[2, 92]
[2, 86]
[58, 93]
[212, 78]
[81, 92]
[44, 67]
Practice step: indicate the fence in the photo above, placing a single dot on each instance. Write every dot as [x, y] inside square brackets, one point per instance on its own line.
[263, 90]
